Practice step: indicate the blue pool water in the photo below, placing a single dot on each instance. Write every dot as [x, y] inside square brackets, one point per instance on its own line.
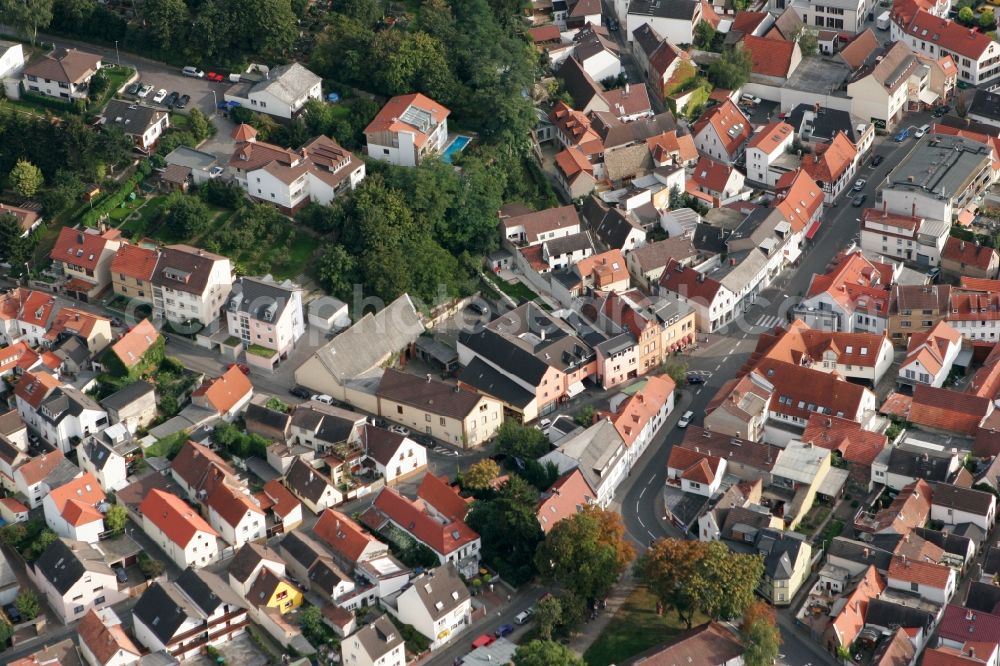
[456, 146]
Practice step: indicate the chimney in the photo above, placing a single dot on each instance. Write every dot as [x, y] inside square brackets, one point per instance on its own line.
[913, 210]
[885, 207]
[961, 246]
[972, 651]
[428, 378]
[866, 553]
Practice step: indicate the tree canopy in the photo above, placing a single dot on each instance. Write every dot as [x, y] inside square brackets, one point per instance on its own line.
[522, 441]
[545, 653]
[508, 525]
[760, 634]
[732, 69]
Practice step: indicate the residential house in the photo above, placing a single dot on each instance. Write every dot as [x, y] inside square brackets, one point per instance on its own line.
[933, 582]
[63, 74]
[772, 61]
[182, 534]
[323, 427]
[271, 597]
[350, 544]
[710, 643]
[234, 515]
[76, 509]
[954, 505]
[107, 456]
[29, 219]
[35, 477]
[639, 417]
[11, 60]
[448, 412]
[132, 269]
[900, 466]
[647, 263]
[975, 315]
[599, 452]
[378, 643]
[722, 132]
[394, 456]
[62, 414]
[313, 488]
[695, 472]
[280, 506]
[133, 406]
[84, 256]
[930, 355]
[94, 331]
[850, 620]
[787, 557]
[966, 259]
[271, 424]
[800, 201]
[832, 165]
[567, 497]
[437, 604]
[250, 560]
[144, 125]
[225, 395]
[267, 316]
[74, 578]
[857, 446]
[104, 641]
[190, 284]
[675, 21]
[407, 129]
[658, 59]
[133, 345]
[720, 183]
[852, 296]
[613, 228]
[917, 309]
[944, 410]
[764, 148]
[983, 107]
[182, 617]
[712, 302]
[534, 227]
[318, 172]
[879, 90]
[976, 55]
[283, 92]
[597, 52]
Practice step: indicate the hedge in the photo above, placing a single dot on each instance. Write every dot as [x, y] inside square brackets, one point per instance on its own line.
[91, 217]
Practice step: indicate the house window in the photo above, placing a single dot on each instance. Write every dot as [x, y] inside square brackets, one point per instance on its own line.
[442, 420]
[98, 600]
[78, 610]
[427, 417]
[399, 409]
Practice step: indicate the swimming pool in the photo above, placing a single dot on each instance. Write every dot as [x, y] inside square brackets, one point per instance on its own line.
[456, 146]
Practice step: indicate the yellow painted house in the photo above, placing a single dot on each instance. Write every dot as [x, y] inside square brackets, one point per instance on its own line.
[270, 591]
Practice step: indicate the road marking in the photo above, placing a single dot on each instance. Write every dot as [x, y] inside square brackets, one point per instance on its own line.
[651, 479]
[767, 321]
[642, 492]
[698, 392]
[733, 349]
[651, 535]
[744, 336]
[638, 517]
[717, 367]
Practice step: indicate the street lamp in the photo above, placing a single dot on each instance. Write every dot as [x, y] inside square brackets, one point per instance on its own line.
[215, 102]
[117, 55]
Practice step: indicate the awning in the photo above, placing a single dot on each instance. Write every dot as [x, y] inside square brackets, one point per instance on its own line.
[575, 389]
[792, 254]
[927, 96]
[812, 230]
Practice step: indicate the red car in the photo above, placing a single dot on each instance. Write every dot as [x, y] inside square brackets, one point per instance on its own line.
[483, 641]
[212, 76]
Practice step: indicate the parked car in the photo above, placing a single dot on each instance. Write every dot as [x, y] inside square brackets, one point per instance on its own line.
[121, 574]
[477, 308]
[686, 418]
[12, 613]
[902, 135]
[523, 616]
[504, 630]
[300, 392]
[941, 110]
[859, 200]
[399, 430]
[878, 159]
[160, 95]
[182, 101]
[544, 423]
[133, 89]
[483, 641]
[859, 184]
[193, 72]
[695, 379]
[171, 99]
[216, 78]
[144, 91]
[923, 129]
[323, 397]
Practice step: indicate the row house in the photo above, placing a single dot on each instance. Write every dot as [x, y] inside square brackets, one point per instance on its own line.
[712, 302]
[879, 92]
[976, 316]
[437, 604]
[975, 53]
[969, 259]
[104, 641]
[659, 327]
[930, 355]
[800, 200]
[190, 285]
[74, 578]
[108, 455]
[83, 256]
[918, 308]
[832, 166]
[675, 22]
[641, 415]
[266, 316]
[658, 59]
[37, 476]
[722, 132]
[235, 515]
[132, 269]
[904, 237]
[764, 148]
[852, 296]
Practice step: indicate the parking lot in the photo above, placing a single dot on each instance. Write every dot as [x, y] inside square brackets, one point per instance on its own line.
[200, 90]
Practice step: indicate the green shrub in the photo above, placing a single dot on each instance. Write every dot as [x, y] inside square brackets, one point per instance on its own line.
[91, 217]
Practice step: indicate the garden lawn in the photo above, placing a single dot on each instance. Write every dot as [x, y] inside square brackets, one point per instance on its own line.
[516, 290]
[117, 76]
[146, 214]
[280, 262]
[634, 628]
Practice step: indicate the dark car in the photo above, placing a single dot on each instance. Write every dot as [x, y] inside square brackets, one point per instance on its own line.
[477, 308]
[171, 99]
[941, 110]
[182, 101]
[859, 200]
[504, 630]
[133, 89]
[878, 159]
[12, 613]
[121, 574]
[695, 379]
[299, 392]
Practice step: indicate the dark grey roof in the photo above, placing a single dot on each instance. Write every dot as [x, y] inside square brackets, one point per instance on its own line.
[127, 395]
[950, 542]
[780, 550]
[378, 638]
[569, 244]
[441, 590]
[671, 9]
[502, 353]
[326, 576]
[887, 614]
[200, 587]
[985, 103]
[65, 561]
[615, 133]
[64, 472]
[825, 124]
[66, 401]
[306, 480]
[976, 502]
[260, 298]
[614, 228]
[381, 445]
[970, 531]
[246, 560]
[983, 597]
[268, 418]
[163, 613]
[485, 379]
[966, 124]
[617, 344]
[918, 464]
[97, 452]
[330, 424]
[302, 548]
[647, 38]
[860, 552]
[184, 268]
[710, 239]
[73, 348]
[578, 83]
[134, 119]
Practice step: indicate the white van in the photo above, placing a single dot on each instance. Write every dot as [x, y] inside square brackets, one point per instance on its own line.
[882, 22]
[193, 72]
[923, 129]
[522, 617]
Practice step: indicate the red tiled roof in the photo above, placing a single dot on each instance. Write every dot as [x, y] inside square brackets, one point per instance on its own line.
[723, 118]
[33, 387]
[79, 248]
[969, 254]
[979, 284]
[102, 640]
[13, 505]
[809, 387]
[444, 498]
[799, 198]
[172, 516]
[930, 348]
[949, 35]
[224, 392]
[851, 620]
[79, 322]
[748, 21]
[830, 160]
[231, 504]
[26, 218]
[689, 283]
[445, 538]
[244, 132]
[200, 467]
[800, 345]
[389, 118]
[572, 162]
[923, 573]
[863, 45]
[947, 410]
[134, 262]
[282, 500]
[544, 33]
[771, 136]
[607, 268]
[670, 143]
[638, 410]
[711, 175]
[949, 656]
[853, 282]
[36, 308]
[343, 534]
[131, 346]
[35, 470]
[567, 496]
[769, 57]
[910, 509]
[77, 500]
[973, 306]
[986, 382]
[855, 444]
[960, 624]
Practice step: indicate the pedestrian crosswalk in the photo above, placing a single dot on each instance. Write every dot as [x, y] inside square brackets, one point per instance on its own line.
[767, 321]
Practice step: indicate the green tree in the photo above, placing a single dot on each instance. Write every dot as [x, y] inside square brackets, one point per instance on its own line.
[99, 84]
[676, 370]
[522, 441]
[25, 178]
[44, 539]
[150, 566]
[548, 616]
[13, 534]
[27, 604]
[336, 270]
[112, 147]
[277, 404]
[808, 43]
[65, 190]
[27, 16]
[311, 620]
[759, 633]
[184, 216]
[165, 22]
[116, 519]
[545, 653]
[732, 70]
[264, 25]
[14, 249]
[585, 418]
[6, 631]
[509, 529]
[987, 21]
[966, 16]
[481, 474]
[585, 553]
[199, 125]
[704, 35]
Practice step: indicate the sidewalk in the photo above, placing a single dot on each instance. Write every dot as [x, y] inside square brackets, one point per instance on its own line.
[593, 629]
